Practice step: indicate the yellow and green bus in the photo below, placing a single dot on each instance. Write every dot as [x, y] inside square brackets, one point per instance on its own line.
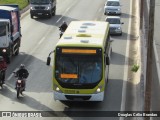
[81, 62]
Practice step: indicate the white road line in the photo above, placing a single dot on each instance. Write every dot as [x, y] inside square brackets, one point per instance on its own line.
[59, 19]
[125, 76]
[64, 14]
[100, 10]
[41, 41]
[67, 9]
[11, 75]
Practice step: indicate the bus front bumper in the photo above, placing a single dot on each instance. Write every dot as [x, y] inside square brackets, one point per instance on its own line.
[79, 97]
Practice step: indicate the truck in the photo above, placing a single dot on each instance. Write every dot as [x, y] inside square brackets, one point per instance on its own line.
[42, 7]
[10, 31]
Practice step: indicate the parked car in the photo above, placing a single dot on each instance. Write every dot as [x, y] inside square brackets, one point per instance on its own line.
[112, 7]
[115, 25]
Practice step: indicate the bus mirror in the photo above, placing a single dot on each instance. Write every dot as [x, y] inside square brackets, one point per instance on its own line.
[107, 61]
[48, 60]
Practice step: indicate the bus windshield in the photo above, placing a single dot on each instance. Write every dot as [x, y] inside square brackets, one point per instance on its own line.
[40, 1]
[78, 69]
[2, 30]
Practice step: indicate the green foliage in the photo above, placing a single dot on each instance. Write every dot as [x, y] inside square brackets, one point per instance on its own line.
[22, 3]
[135, 68]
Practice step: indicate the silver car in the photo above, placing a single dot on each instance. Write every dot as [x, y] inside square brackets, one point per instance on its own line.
[112, 7]
[115, 25]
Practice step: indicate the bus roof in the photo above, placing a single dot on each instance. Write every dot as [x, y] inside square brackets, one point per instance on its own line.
[85, 33]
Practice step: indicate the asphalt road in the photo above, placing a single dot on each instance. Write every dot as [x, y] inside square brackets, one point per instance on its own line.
[39, 37]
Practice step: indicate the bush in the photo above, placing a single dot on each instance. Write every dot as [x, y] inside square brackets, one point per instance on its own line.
[22, 3]
[135, 68]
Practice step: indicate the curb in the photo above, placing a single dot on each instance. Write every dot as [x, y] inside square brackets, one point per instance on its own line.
[24, 12]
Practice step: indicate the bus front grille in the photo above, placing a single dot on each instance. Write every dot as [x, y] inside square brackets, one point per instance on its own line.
[74, 97]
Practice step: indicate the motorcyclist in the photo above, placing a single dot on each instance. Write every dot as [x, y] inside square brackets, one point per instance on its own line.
[3, 67]
[64, 26]
[22, 74]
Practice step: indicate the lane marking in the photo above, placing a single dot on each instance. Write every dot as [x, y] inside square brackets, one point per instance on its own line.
[41, 41]
[64, 14]
[67, 9]
[100, 10]
[59, 19]
[125, 76]
[11, 75]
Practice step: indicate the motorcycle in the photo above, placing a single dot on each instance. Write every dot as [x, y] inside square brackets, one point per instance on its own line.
[61, 32]
[19, 85]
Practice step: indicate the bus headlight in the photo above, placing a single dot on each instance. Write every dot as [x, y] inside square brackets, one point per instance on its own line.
[4, 50]
[57, 89]
[99, 89]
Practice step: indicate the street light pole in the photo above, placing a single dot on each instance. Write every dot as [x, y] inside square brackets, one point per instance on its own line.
[149, 77]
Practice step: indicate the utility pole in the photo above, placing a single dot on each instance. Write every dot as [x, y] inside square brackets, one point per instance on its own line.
[149, 77]
[141, 13]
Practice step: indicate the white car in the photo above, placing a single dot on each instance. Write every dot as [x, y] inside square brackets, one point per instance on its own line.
[112, 7]
[115, 25]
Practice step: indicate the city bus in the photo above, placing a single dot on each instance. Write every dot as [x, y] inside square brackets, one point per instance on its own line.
[81, 62]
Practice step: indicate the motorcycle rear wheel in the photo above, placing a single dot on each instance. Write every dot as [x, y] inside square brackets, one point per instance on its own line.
[18, 91]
